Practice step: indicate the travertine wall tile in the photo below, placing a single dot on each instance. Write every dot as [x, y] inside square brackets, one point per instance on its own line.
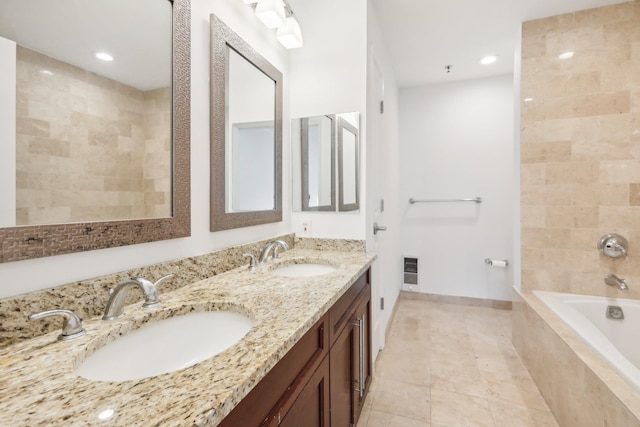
[580, 132]
[88, 160]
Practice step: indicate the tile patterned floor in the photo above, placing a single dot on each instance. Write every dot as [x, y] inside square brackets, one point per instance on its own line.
[452, 366]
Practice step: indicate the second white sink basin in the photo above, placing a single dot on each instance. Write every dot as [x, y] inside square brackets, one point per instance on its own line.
[166, 346]
[304, 270]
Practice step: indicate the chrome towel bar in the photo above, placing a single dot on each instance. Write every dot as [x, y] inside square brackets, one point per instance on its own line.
[475, 199]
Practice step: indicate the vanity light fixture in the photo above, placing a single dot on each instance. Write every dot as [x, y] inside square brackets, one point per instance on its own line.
[566, 55]
[490, 59]
[271, 13]
[104, 56]
[290, 35]
[278, 14]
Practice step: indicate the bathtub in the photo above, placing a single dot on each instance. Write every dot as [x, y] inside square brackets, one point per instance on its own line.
[617, 341]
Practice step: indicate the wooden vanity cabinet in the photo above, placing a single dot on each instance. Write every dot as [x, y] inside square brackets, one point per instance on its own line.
[316, 384]
[276, 393]
[350, 354]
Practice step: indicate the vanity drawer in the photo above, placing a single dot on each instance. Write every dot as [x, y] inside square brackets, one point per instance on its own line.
[284, 380]
[340, 312]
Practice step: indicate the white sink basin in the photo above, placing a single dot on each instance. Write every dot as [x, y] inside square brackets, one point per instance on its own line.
[304, 270]
[166, 346]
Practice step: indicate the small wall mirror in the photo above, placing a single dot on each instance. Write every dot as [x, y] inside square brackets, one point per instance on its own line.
[325, 165]
[315, 148]
[94, 124]
[246, 133]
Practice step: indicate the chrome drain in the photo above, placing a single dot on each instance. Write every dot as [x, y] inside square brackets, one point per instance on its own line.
[615, 312]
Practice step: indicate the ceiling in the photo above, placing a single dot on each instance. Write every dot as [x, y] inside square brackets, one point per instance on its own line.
[136, 33]
[424, 36]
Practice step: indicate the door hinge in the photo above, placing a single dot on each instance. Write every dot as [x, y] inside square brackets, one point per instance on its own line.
[381, 303]
[381, 107]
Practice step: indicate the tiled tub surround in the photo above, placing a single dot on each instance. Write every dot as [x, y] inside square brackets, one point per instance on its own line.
[38, 387]
[580, 179]
[580, 148]
[88, 298]
[580, 387]
[88, 148]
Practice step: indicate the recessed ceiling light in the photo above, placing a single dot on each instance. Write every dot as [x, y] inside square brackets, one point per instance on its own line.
[566, 55]
[488, 59]
[104, 56]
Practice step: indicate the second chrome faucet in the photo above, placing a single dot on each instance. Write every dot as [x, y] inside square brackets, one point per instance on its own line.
[273, 247]
[115, 306]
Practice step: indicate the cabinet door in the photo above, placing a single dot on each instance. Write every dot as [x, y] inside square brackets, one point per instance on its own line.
[343, 365]
[362, 348]
[311, 408]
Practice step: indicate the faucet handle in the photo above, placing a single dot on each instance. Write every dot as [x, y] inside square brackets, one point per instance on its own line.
[71, 326]
[253, 261]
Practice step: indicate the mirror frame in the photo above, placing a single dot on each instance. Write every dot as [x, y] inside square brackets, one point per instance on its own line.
[27, 242]
[342, 206]
[221, 37]
[304, 150]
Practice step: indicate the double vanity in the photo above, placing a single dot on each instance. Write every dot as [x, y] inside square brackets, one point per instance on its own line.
[306, 318]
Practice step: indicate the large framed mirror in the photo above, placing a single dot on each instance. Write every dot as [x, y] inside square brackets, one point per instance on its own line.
[246, 133]
[95, 124]
[325, 162]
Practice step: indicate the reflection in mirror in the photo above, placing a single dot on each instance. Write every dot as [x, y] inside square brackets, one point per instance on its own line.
[246, 133]
[318, 171]
[92, 139]
[314, 159]
[348, 165]
[94, 147]
[250, 147]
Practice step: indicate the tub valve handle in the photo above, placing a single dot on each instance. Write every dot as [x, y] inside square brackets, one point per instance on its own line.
[613, 245]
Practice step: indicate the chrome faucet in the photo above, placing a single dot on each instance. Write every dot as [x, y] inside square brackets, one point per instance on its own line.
[71, 327]
[613, 280]
[276, 245]
[115, 306]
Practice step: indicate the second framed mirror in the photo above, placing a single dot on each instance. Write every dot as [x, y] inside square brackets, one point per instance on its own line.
[246, 133]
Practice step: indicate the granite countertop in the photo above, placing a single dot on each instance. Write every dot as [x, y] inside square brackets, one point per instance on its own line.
[38, 386]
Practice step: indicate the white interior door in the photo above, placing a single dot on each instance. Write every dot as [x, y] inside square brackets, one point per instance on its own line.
[376, 148]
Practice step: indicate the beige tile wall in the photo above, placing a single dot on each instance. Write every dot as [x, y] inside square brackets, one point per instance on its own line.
[88, 148]
[580, 148]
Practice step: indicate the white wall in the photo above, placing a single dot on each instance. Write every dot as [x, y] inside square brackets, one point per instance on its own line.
[7, 132]
[456, 141]
[25, 276]
[328, 76]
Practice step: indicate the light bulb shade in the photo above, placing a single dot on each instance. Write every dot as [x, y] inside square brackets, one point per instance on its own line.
[250, 1]
[290, 34]
[271, 13]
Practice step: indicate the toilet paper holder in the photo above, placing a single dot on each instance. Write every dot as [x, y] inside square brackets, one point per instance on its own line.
[497, 262]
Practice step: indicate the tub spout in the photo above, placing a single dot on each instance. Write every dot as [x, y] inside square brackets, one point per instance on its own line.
[613, 280]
